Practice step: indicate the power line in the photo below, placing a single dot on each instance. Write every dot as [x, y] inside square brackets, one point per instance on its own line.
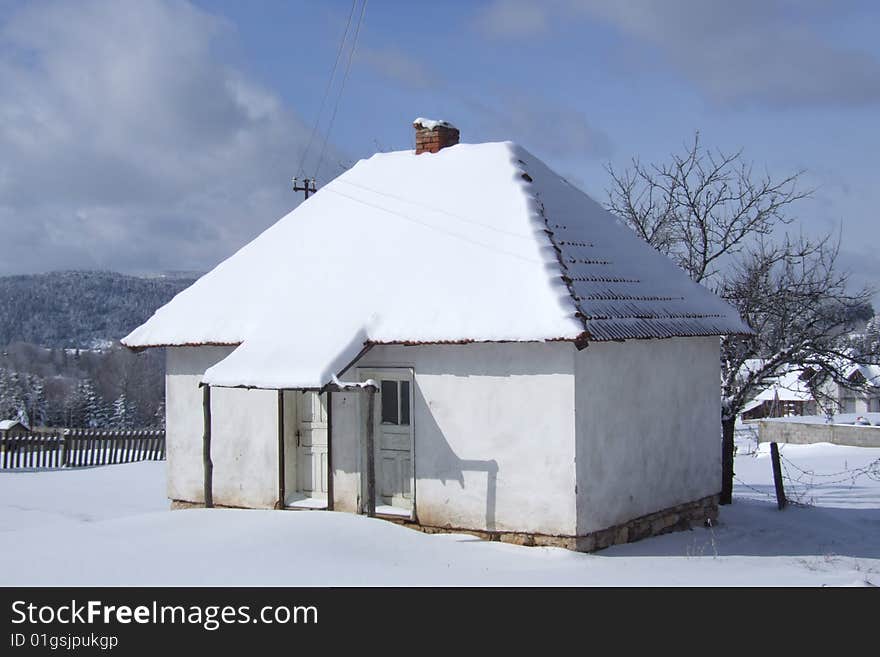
[431, 208]
[302, 161]
[342, 86]
[439, 229]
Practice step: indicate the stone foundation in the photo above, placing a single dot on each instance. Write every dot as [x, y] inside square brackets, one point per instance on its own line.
[676, 518]
[177, 505]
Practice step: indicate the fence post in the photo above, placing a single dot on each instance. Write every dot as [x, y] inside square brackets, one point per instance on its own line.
[777, 476]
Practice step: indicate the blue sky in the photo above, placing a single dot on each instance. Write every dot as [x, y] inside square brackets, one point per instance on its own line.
[161, 134]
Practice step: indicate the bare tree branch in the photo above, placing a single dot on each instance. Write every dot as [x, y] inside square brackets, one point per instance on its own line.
[726, 227]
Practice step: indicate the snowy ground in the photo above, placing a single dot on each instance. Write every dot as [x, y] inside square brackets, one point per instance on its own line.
[110, 526]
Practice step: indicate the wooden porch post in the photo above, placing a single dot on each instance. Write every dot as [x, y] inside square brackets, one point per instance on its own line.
[206, 448]
[282, 493]
[371, 452]
[329, 450]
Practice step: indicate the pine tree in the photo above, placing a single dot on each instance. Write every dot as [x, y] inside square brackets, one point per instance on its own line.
[79, 406]
[91, 404]
[5, 395]
[872, 335]
[103, 414]
[159, 416]
[36, 400]
[14, 405]
[122, 415]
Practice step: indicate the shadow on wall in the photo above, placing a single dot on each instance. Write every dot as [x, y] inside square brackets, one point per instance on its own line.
[436, 460]
[448, 466]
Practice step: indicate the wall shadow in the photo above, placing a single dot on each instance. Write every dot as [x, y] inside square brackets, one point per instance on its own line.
[445, 464]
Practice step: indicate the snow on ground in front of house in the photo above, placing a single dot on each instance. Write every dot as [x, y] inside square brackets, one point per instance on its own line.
[95, 526]
[70, 497]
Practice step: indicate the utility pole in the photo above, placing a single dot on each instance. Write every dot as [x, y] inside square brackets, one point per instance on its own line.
[307, 186]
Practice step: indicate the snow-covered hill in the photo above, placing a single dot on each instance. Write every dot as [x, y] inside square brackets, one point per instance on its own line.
[80, 309]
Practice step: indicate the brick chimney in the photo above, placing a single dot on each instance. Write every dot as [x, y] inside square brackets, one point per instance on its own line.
[432, 135]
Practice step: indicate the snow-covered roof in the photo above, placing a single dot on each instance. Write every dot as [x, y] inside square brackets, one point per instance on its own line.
[478, 242]
[870, 372]
[5, 425]
[787, 387]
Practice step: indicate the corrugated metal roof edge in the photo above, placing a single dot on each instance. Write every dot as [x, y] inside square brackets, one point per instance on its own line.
[582, 339]
[162, 345]
[620, 333]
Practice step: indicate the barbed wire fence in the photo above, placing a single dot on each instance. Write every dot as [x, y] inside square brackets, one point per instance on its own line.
[745, 441]
[801, 483]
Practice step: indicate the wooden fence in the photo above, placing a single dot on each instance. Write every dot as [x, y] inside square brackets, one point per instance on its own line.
[75, 448]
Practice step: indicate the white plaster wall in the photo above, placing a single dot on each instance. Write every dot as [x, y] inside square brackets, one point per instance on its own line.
[494, 435]
[345, 444]
[244, 437]
[184, 367]
[244, 447]
[648, 427]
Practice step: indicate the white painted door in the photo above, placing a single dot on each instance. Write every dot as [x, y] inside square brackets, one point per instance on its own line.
[311, 441]
[394, 465]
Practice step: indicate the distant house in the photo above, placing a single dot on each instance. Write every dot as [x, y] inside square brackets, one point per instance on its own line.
[790, 395]
[12, 427]
[460, 339]
[864, 395]
[787, 395]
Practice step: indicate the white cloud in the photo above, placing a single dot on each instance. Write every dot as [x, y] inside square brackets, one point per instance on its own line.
[769, 52]
[129, 142]
[397, 65]
[513, 19]
[534, 121]
[543, 127]
[758, 51]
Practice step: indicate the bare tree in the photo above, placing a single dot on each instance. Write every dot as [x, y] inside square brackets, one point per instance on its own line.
[726, 226]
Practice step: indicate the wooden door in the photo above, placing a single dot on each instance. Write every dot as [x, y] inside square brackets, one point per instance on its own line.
[394, 464]
[311, 450]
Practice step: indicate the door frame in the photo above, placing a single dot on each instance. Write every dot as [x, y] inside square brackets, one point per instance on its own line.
[399, 373]
[289, 453]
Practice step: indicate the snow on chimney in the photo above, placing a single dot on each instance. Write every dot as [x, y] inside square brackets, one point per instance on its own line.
[432, 135]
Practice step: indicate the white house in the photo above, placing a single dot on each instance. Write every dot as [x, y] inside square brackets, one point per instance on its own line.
[785, 395]
[864, 395]
[790, 394]
[543, 376]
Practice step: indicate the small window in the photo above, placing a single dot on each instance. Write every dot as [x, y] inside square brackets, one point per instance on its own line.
[404, 402]
[389, 402]
[395, 402]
